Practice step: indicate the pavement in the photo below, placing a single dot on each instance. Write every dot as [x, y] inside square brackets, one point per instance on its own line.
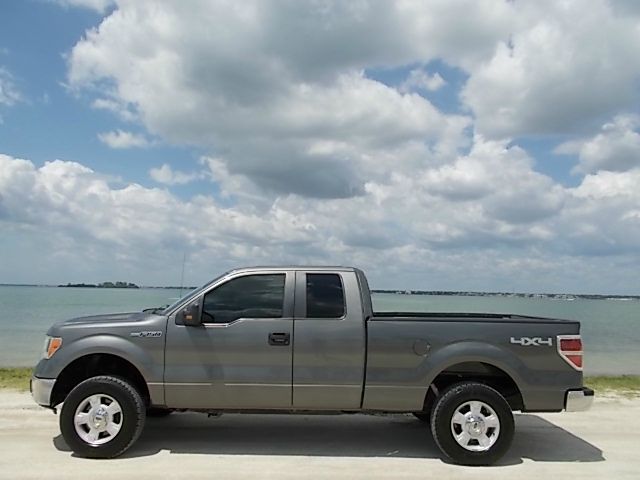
[600, 443]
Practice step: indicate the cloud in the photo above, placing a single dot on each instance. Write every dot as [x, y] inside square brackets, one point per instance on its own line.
[115, 107]
[280, 96]
[166, 175]
[403, 231]
[615, 148]
[120, 139]
[283, 82]
[9, 94]
[500, 176]
[562, 69]
[313, 161]
[420, 79]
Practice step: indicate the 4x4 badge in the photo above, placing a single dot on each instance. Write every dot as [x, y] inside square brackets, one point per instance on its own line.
[532, 341]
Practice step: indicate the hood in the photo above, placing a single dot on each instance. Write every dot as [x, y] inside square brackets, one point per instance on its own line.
[109, 318]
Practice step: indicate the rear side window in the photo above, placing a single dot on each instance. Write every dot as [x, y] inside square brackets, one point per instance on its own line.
[325, 296]
[251, 296]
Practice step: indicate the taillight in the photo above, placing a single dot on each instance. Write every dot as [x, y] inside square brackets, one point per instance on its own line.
[570, 348]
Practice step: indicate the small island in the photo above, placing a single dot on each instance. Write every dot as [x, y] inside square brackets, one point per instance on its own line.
[101, 285]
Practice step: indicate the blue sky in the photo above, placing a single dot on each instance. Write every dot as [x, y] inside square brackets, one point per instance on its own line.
[54, 123]
[434, 152]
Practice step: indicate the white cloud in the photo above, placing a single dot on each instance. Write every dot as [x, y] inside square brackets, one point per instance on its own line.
[405, 233]
[420, 79]
[166, 175]
[503, 178]
[563, 68]
[280, 92]
[615, 148]
[121, 139]
[282, 81]
[116, 107]
[314, 162]
[9, 94]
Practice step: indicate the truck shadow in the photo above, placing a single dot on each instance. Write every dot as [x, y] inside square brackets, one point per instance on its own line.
[339, 436]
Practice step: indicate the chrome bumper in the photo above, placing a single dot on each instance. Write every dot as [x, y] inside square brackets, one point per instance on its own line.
[41, 390]
[578, 400]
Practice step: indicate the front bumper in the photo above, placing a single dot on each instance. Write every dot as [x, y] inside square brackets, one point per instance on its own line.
[578, 400]
[41, 390]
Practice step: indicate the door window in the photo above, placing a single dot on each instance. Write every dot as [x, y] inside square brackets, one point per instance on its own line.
[251, 296]
[325, 296]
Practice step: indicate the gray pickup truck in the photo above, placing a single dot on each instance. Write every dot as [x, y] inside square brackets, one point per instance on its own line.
[306, 340]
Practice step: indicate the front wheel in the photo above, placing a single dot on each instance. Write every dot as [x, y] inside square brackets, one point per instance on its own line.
[102, 417]
[472, 424]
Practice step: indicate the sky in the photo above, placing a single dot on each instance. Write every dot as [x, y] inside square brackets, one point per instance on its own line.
[471, 145]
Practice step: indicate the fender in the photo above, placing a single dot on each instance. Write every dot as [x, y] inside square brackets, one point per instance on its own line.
[466, 351]
[150, 369]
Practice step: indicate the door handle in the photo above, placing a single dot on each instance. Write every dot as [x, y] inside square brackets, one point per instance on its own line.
[279, 338]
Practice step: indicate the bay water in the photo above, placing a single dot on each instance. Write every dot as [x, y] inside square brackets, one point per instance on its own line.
[610, 328]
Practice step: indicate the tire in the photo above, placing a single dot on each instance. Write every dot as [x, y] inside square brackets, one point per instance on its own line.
[102, 417]
[423, 416]
[472, 424]
[158, 412]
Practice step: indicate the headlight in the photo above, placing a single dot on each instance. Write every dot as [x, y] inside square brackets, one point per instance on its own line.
[51, 346]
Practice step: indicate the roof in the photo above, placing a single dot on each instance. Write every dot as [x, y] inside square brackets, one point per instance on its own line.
[305, 268]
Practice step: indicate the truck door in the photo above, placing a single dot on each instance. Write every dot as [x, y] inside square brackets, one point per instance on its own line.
[329, 343]
[240, 357]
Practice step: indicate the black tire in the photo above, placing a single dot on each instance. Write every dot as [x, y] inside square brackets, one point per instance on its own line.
[131, 420]
[158, 412]
[441, 423]
[423, 416]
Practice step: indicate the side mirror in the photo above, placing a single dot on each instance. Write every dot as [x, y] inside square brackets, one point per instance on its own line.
[190, 315]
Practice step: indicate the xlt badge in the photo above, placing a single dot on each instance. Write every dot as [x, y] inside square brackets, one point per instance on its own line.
[146, 334]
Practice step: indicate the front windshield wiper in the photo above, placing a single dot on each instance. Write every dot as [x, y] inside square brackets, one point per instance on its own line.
[155, 309]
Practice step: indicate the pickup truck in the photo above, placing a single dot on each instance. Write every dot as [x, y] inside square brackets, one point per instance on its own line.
[306, 340]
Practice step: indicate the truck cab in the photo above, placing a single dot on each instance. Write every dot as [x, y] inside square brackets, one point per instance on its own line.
[242, 353]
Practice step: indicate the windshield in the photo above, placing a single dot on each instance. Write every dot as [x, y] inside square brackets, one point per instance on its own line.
[190, 295]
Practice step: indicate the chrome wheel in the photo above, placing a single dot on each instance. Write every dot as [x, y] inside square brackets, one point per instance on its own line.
[98, 419]
[475, 426]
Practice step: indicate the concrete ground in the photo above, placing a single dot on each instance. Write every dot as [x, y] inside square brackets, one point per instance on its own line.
[601, 443]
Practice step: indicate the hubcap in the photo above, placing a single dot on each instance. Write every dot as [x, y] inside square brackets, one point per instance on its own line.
[98, 419]
[475, 426]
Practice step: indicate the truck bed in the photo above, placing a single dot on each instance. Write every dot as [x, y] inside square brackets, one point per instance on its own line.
[464, 317]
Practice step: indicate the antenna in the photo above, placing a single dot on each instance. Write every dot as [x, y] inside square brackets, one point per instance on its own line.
[184, 259]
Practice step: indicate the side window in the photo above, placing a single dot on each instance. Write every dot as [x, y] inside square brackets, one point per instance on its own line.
[251, 296]
[325, 297]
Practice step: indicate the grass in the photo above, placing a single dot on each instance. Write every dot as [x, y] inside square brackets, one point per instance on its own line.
[15, 378]
[626, 384]
[18, 379]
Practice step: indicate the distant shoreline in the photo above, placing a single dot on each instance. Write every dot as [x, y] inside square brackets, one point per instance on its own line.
[94, 286]
[100, 285]
[552, 296]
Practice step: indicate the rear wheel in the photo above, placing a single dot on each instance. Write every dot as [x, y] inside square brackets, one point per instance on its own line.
[472, 424]
[102, 417]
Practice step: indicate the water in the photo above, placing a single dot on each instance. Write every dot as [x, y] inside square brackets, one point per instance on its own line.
[610, 329]
[26, 313]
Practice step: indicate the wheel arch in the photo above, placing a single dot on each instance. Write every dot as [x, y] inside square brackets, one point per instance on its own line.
[473, 361]
[478, 371]
[94, 364]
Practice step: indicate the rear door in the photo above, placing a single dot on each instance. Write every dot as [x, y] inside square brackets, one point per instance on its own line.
[329, 341]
